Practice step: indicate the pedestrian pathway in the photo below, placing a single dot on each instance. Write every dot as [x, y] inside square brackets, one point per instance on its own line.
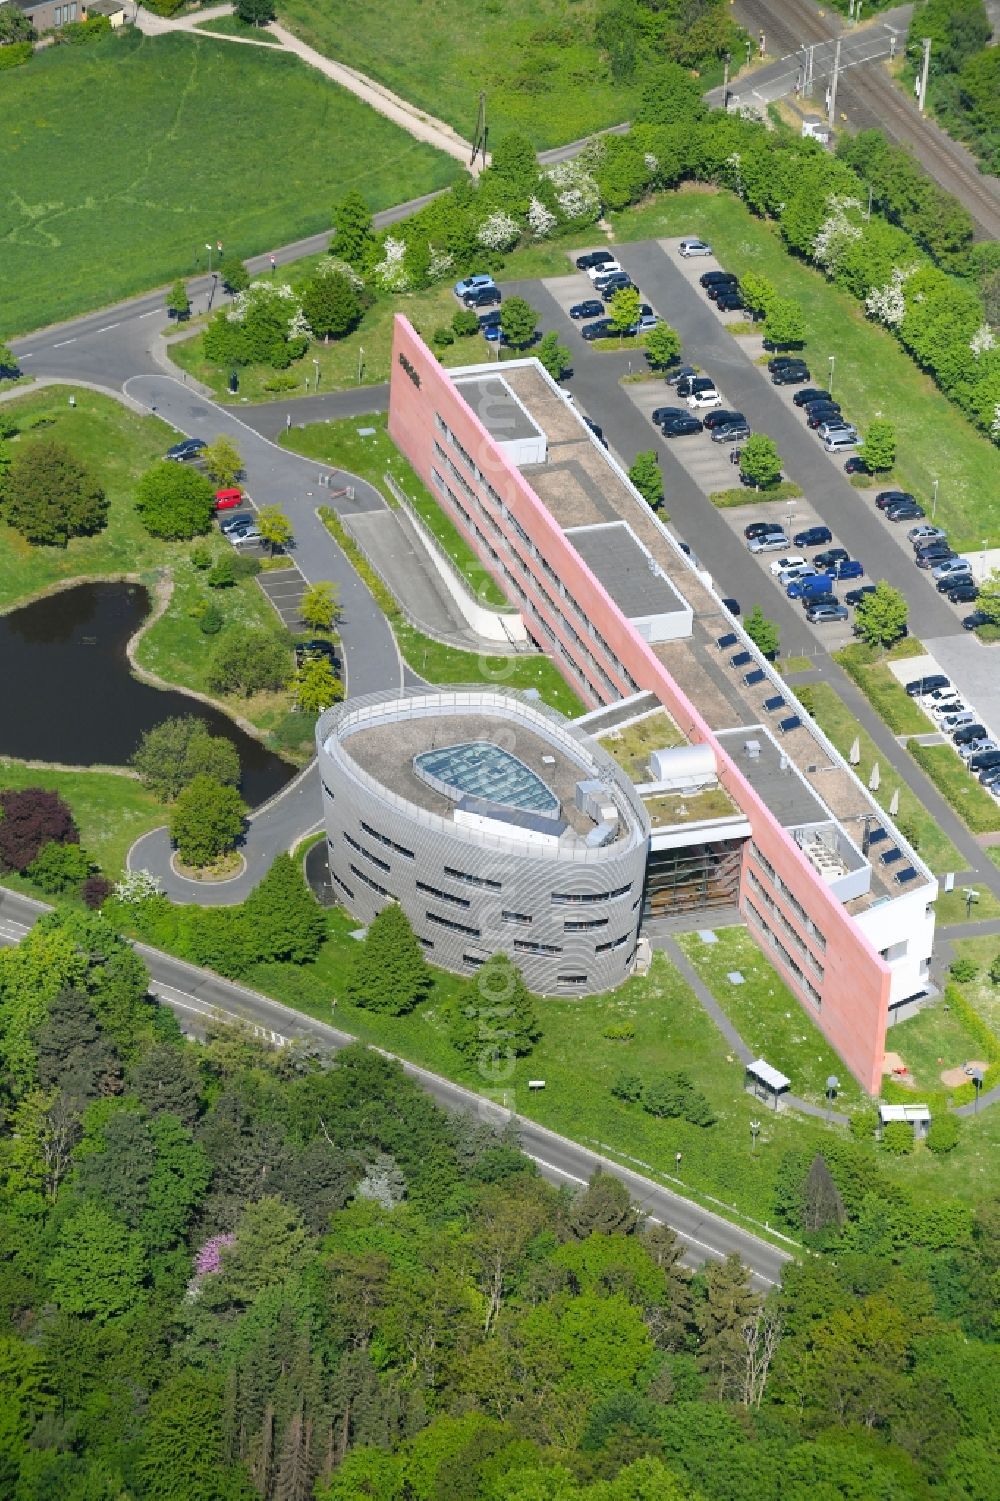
[416, 122]
[745, 1054]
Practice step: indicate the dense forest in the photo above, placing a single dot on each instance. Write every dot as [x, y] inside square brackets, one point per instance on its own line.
[233, 1272]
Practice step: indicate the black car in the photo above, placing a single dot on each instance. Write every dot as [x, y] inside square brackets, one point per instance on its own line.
[730, 302]
[718, 289]
[598, 432]
[968, 733]
[718, 279]
[855, 596]
[664, 414]
[936, 549]
[186, 449]
[808, 600]
[813, 536]
[817, 415]
[595, 258]
[811, 393]
[592, 308]
[960, 592]
[762, 529]
[679, 372]
[721, 416]
[731, 432]
[780, 361]
[918, 687]
[975, 620]
[680, 427]
[490, 319]
[483, 297]
[887, 497]
[602, 329]
[831, 557]
[905, 510]
[854, 465]
[927, 560]
[790, 375]
[732, 605]
[310, 651]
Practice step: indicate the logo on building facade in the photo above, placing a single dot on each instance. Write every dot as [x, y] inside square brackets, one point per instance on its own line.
[411, 370]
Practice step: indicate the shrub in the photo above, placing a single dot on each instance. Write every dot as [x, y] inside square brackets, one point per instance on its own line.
[174, 501]
[59, 867]
[49, 496]
[206, 821]
[465, 323]
[963, 970]
[211, 620]
[29, 819]
[627, 1087]
[442, 337]
[95, 891]
[201, 556]
[864, 1124]
[222, 574]
[897, 1138]
[282, 380]
[248, 661]
[620, 1031]
[943, 1133]
[14, 54]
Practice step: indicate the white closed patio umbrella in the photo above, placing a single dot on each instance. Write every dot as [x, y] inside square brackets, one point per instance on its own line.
[875, 778]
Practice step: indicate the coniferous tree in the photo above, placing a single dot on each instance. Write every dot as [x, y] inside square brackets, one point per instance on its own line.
[390, 973]
[286, 922]
[822, 1205]
[604, 1207]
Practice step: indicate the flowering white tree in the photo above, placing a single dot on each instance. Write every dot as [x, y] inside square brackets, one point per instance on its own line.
[275, 295]
[500, 231]
[390, 273]
[888, 303]
[136, 885]
[836, 232]
[440, 264]
[331, 265]
[995, 424]
[982, 341]
[541, 220]
[577, 193]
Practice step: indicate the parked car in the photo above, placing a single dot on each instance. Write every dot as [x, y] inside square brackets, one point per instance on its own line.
[811, 393]
[780, 361]
[685, 385]
[473, 284]
[926, 533]
[306, 651]
[790, 375]
[597, 431]
[594, 258]
[718, 278]
[780, 564]
[717, 289]
[975, 620]
[797, 572]
[929, 560]
[229, 499]
[665, 414]
[813, 536]
[250, 538]
[770, 542]
[803, 587]
[962, 591]
[483, 297]
[856, 465]
[762, 529]
[850, 568]
[920, 687]
[681, 427]
[990, 778]
[590, 308]
[823, 614]
[603, 268]
[953, 568]
[889, 497]
[690, 247]
[706, 396]
[948, 704]
[491, 319]
[968, 733]
[618, 281]
[722, 415]
[942, 689]
[731, 432]
[646, 322]
[840, 439]
[730, 302]
[186, 449]
[953, 721]
[905, 510]
[234, 524]
[831, 557]
[816, 596]
[936, 545]
[494, 334]
[732, 605]
[855, 596]
[985, 760]
[602, 329]
[678, 373]
[835, 425]
[977, 747]
[820, 412]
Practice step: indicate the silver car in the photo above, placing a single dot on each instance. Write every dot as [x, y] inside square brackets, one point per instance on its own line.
[773, 542]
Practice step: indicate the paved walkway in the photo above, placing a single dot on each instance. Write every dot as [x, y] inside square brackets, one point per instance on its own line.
[416, 122]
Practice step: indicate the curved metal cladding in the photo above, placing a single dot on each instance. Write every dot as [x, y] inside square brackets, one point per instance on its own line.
[567, 913]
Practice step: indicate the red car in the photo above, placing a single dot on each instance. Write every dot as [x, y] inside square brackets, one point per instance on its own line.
[228, 500]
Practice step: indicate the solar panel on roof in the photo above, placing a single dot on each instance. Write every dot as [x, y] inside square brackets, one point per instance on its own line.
[906, 874]
[754, 677]
[791, 723]
[729, 639]
[777, 702]
[891, 856]
[741, 659]
[877, 835]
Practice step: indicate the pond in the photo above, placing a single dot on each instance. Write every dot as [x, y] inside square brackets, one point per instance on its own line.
[67, 692]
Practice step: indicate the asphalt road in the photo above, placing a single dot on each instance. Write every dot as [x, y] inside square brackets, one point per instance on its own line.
[866, 98]
[197, 996]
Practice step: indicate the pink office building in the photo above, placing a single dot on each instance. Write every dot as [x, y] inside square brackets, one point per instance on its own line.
[749, 805]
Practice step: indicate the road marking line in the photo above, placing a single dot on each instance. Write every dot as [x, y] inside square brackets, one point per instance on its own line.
[25, 357]
[108, 326]
[63, 342]
[150, 313]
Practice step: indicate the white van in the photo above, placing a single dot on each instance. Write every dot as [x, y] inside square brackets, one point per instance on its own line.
[841, 441]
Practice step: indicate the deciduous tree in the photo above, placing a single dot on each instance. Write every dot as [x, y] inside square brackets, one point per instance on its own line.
[98, 1267]
[234, 275]
[319, 606]
[784, 323]
[646, 477]
[49, 496]
[760, 461]
[30, 818]
[176, 750]
[206, 820]
[223, 461]
[274, 526]
[555, 357]
[178, 302]
[390, 972]
[331, 305]
[880, 618]
[59, 867]
[353, 238]
[249, 661]
[175, 501]
[623, 310]
[519, 322]
[316, 686]
[763, 632]
[878, 450]
[662, 345]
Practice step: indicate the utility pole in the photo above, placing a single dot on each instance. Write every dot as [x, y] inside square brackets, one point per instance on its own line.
[725, 82]
[479, 139]
[809, 72]
[922, 95]
[832, 112]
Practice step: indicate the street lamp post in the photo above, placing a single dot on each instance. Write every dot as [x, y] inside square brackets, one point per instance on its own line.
[754, 1133]
[209, 248]
[832, 1085]
[934, 499]
[977, 1081]
[984, 556]
[316, 367]
[833, 361]
[361, 362]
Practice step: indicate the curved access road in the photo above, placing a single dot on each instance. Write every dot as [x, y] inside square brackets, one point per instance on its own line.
[197, 997]
[371, 659]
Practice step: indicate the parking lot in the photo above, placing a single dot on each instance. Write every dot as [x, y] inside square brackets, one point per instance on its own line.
[285, 587]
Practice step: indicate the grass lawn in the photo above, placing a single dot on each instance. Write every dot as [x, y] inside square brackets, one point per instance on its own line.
[186, 140]
[767, 1016]
[111, 811]
[873, 374]
[930, 1042]
[745, 495]
[886, 695]
[788, 665]
[233, 26]
[981, 992]
[833, 716]
[340, 444]
[536, 58]
[961, 788]
[950, 906]
[118, 446]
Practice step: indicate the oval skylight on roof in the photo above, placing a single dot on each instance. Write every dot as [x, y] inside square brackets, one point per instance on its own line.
[480, 769]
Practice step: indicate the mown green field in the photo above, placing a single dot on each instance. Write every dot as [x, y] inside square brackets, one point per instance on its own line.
[118, 162]
[873, 376]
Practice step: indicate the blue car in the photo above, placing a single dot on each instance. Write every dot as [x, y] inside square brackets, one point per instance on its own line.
[800, 588]
[493, 334]
[850, 569]
[473, 284]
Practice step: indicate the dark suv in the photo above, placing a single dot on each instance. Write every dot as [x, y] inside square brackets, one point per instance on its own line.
[483, 297]
[718, 279]
[790, 375]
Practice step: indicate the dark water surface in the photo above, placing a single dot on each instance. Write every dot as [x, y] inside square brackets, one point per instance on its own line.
[67, 692]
